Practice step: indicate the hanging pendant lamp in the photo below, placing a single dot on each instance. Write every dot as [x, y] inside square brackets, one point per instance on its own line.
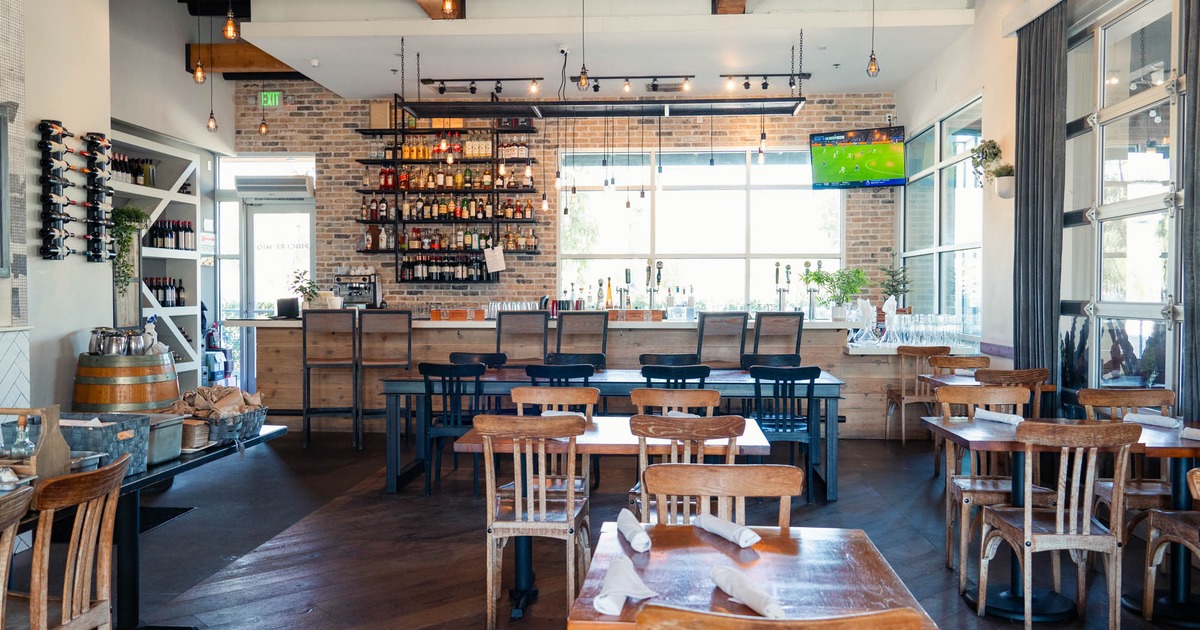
[231, 30]
[198, 74]
[582, 85]
[872, 63]
[212, 118]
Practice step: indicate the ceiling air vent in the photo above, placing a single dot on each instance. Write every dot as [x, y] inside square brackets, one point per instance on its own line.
[292, 188]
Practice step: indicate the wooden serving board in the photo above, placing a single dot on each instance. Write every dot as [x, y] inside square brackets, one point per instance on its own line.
[52, 456]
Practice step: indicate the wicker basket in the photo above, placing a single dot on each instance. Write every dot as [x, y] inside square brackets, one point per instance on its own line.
[124, 433]
[252, 422]
[240, 427]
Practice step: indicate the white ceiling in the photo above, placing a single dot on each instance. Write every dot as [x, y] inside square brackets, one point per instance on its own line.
[357, 45]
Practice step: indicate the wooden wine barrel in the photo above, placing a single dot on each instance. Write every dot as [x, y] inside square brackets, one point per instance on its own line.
[120, 383]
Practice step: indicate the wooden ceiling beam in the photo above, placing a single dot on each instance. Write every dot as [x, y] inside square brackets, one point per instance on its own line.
[239, 57]
[728, 7]
[434, 9]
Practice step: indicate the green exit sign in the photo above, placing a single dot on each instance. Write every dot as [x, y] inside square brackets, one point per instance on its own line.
[269, 99]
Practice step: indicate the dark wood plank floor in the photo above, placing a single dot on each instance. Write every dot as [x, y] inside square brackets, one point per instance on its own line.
[370, 560]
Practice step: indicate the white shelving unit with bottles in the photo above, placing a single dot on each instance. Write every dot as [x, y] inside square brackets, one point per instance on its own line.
[177, 326]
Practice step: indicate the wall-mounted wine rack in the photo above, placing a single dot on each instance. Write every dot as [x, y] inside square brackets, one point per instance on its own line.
[100, 247]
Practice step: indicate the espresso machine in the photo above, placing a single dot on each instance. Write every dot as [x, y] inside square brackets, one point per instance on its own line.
[359, 291]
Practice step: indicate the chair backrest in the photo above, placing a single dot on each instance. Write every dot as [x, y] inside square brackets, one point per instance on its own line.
[998, 398]
[385, 336]
[946, 364]
[94, 495]
[13, 506]
[1031, 379]
[1079, 447]
[490, 360]
[559, 375]
[576, 399]
[727, 485]
[328, 335]
[687, 439]
[528, 330]
[1193, 479]
[772, 360]
[777, 406]
[532, 439]
[914, 360]
[676, 376]
[595, 359]
[456, 387]
[782, 324]
[579, 327]
[1118, 402]
[658, 358]
[649, 400]
[659, 617]
[714, 325]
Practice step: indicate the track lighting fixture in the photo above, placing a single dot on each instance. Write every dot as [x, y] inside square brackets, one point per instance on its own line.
[654, 85]
[596, 86]
[470, 88]
[765, 83]
[231, 30]
[687, 85]
[746, 85]
[499, 87]
[729, 83]
[792, 81]
[442, 87]
[533, 86]
[626, 86]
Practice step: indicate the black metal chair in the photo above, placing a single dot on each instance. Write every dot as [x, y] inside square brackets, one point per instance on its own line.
[770, 360]
[676, 376]
[559, 375]
[778, 392]
[655, 358]
[457, 388]
[594, 359]
[334, 331]
[490, 360]
[778, 324]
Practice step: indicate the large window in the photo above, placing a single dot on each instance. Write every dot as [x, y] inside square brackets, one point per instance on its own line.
[717, 222]
[1119, 267]
[943, 218]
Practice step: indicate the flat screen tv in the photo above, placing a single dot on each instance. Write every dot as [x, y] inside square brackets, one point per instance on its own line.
[862, 158]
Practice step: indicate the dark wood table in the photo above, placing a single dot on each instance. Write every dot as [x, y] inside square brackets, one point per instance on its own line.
[812, 572]
[731, 384]
[1175, 604]
[962, 378]
[126, 532]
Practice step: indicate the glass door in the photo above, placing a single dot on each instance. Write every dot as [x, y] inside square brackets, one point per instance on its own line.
[279, 243]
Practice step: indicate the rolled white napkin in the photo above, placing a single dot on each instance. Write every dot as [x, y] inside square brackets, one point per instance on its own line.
[680, 414]
[621, 582]
[736, 584]
[993, 416]
[1154, 420]
[1190, 433]
[633, 531]
[552, 412]
[737, 534]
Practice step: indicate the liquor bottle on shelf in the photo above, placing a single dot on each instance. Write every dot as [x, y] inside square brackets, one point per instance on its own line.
[373, 210]
[608, 298]
[362, 211]
[383, 209]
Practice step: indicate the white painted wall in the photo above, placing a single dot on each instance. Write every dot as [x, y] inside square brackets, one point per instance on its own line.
[150, 86]
[68, 83]
[979, 61]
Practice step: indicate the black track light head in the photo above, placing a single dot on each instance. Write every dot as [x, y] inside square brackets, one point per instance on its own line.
[442, 87]
[471, 88]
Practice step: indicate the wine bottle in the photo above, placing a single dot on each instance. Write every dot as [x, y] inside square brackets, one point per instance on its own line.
[96, 139]
[48, 232]
[48, 215]
[55, 163]
[100, 238]
[180, 294]
[61, 200]
[56, 251]
[54, 128]
[54, 180]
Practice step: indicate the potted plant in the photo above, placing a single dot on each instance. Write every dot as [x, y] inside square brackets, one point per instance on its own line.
[304, 287]
[126, 222]
[1005, 176]
[983, 155]
[895, 279]
[843, 285]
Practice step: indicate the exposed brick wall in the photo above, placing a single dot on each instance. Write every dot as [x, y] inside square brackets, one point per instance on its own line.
[12, 96]
[314, 120]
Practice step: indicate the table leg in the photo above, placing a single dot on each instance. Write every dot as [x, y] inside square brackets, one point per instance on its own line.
[831, 449]
[126, 535]
[1176, 606]
[397, 474]
[526, 592]
[1008, 601]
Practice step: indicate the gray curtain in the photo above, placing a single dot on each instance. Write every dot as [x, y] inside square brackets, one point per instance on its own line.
[1189, 223]
[1040, 155]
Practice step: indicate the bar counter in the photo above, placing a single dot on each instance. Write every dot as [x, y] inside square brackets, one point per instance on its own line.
[278, 375]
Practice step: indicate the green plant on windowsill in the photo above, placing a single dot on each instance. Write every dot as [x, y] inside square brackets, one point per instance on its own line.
[303, 286]
[846, 283]
[127, 221]
[895, 279]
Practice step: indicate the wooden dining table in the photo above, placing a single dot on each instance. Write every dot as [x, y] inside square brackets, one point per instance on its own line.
[1176, 603]
[604, 435]
[813, 572]
[614, 382]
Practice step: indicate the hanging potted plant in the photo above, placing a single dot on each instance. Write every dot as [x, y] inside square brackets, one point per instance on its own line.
[1006, 181]
[127, 221]
[985, 159]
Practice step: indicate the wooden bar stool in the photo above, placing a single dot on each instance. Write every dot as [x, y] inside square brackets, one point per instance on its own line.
[330, 343]
[785, 325]
[384, 342]
[523, 336]
[913, 361]
[716, 325]
[579, 327]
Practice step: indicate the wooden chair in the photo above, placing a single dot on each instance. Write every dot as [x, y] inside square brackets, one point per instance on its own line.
[1031, 379]
[676, 376]
[946, 364]
[1070, 525]
[588, 325]
[778, 324]
[1169, 527]
[657, 401]
[727, 485]
[1141, 493]
[715, 325]
[659, 617]
[520, 333]
[93, 496]
[13, 506]
[914, 360]
[456, 389]
[329, 341]
[784, 404]
[384, 343]
[686, 437]
[555, 400]
[677, 359]
[984, 485]
[532, 510]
